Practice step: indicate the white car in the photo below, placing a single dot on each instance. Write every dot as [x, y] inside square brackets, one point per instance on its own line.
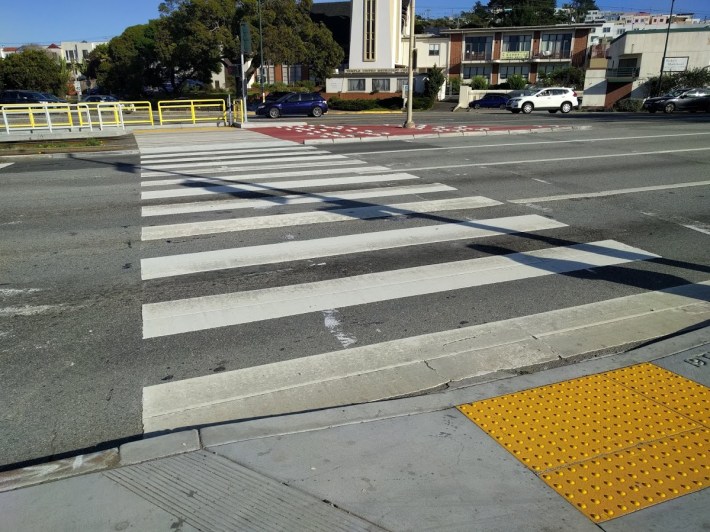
[551, 99]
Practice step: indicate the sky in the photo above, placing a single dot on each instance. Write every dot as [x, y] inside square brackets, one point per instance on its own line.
[48, 21]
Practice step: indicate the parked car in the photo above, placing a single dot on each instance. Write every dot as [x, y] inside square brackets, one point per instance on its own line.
[294, 103]
[697, 99]
[490, 100]
[551, 99]
[51, 98]
[107, 98]
[22, 97]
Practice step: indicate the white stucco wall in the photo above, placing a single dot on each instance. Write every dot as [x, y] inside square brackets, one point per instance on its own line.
[387, 35]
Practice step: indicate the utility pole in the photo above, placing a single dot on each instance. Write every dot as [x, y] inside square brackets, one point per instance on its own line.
[665, 48]
[261, 56]
[409, 124]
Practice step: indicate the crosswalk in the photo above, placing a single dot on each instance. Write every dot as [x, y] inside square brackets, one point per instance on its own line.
[251, 187]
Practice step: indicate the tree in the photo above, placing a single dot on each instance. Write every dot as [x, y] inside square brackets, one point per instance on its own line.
[516, 82]
[522, 12]
[97, 65]
[577, 9]
[34, 69]
[133, 61]
[435, 80]
[571, 76]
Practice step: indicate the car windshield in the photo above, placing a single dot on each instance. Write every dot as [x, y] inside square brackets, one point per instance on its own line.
[676, 92]
[285, 97]
[525, 93]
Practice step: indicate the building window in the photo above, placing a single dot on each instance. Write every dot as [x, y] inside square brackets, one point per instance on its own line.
[471, 71]
[478, 48]
[71, 56]
[369, 33]
[516, 43]
[508, 70]
[620, 31]
[434, 49]
[557, 45]
[291, 73]
[606, 30]
[401, 82]
[356, 85]
[382, 85]
[547, 68]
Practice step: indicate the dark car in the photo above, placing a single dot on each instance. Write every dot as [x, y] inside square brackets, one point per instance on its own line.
[22, 97]
[692, 100]
[294, 103]
[490, 100]
[51, 98]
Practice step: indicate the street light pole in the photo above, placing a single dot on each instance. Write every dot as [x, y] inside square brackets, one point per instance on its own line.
[665, 47]
[261, 56]
[410, 75]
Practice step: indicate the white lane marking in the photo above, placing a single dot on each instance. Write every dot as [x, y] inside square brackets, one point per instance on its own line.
[693, 225]
[257, 167]
[5, 165]
[28, 310]
[291, 199]
[508, 144]
[267, 175]
[190, 263]
[615, 192]
[8, 292]
[540, 180]
[198, 156]
[274, 186]
[557, 159]
[208, 312]
[305, 158]
[332, 323]
[306, 218]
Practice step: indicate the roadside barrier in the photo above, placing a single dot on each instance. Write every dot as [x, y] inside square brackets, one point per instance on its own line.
[103, 115]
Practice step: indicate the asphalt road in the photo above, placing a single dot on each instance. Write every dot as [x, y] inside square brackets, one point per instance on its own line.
[73, 358]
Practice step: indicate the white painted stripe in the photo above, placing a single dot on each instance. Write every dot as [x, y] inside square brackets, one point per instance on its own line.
[558, 159]
[5, 165]
[268, 175]
[207, 147]
[306, 218]
[257, 167]
[291, 199]
[469, 146]
[201, 155]
[273, 186]
[616, 192]
[700, 229]
[412, 365]
[199, 313]
[341, 245]
[305, 158]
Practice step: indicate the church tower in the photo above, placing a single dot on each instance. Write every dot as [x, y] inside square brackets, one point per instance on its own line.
[376, 34]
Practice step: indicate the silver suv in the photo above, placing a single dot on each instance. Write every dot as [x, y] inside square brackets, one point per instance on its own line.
[551, 99]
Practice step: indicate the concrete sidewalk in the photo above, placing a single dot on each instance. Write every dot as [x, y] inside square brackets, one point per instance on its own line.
[594, 445]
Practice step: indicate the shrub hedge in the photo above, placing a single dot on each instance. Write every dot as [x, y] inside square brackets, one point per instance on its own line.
[632, 105]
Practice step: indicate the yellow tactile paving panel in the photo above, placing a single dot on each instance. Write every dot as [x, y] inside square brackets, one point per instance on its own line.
[610, 443]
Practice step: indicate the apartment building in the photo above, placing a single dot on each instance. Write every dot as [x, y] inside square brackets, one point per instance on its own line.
[531, 51]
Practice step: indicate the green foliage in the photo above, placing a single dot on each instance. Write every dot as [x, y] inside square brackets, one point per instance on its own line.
[351, 105]
[34, 69]
[479, 83]
[633, 105]
[571, 77]
[517, 13]
[435, 80]
[516, 82]
[695, 77]
[455, 84]
[422, 103]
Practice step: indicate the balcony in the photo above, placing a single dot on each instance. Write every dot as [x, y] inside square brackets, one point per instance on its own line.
[622, 74]
[477, 56]
[549, 55]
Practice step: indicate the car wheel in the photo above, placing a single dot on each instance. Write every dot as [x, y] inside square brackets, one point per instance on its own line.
[274, 113]
[527, 108]
[669, 108]
[515, 111]
[316, 111]
[502, 106]
[566, 107]
[552, 111]
[476, 105]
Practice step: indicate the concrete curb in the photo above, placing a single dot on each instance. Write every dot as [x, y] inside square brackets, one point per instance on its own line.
[496, 132]
[190, 440]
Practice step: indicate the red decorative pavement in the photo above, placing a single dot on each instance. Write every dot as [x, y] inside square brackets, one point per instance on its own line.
[303, 133]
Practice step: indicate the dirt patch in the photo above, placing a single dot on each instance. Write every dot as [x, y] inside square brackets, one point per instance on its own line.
[46, 146]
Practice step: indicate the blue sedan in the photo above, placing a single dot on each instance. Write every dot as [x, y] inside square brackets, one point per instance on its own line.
[490, 101]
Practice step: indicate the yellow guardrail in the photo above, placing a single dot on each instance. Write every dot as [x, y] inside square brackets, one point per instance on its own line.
[192, 111]
[90, 115]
